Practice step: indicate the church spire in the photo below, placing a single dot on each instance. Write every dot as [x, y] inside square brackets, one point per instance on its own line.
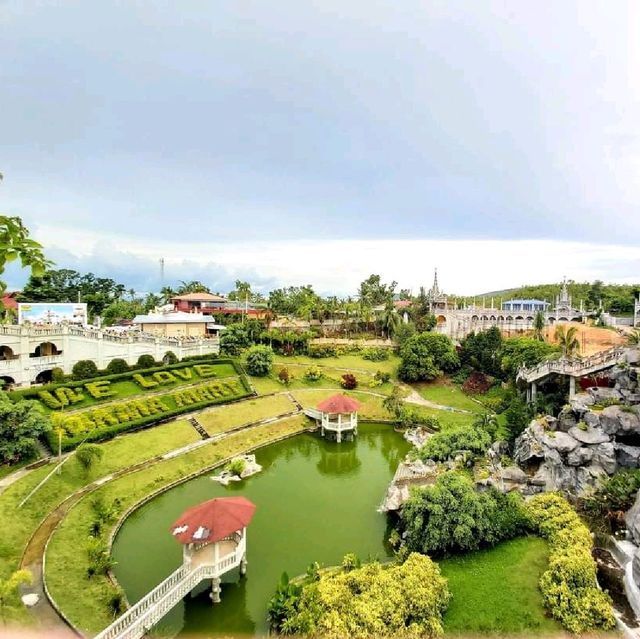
[434, 289]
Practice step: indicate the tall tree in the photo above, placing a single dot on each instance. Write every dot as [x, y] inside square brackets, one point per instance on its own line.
[538, 326]
[194, 286]
[21, 423]
[374, 292]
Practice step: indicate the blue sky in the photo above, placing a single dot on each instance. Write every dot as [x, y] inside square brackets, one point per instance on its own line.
[135, 130]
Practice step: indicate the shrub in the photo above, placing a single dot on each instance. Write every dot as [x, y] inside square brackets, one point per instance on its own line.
[322, 351]
[169, 358]
[284, 376]
[443, 445]
[313, 374]
[401, 600]
[376, 354]
[569, 586]
[84, 369]
[348, 381]
[451, 515]
[382, 377]
[614, 496]
[145, 361]
[57, 375]
[117, 365]
[236, 466]
[259, 361]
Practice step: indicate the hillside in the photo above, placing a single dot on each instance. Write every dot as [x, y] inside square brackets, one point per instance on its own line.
[616, 298]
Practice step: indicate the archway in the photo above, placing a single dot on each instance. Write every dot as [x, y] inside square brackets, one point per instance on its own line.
[46, 349]
[44, 377]
[6, 352]
[6, 381]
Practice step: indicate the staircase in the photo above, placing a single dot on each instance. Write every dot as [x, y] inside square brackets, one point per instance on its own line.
[573, 367]
[199, 427]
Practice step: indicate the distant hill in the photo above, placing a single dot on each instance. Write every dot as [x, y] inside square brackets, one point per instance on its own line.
[616, 298]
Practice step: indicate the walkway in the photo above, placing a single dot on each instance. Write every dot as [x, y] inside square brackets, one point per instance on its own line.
[573, 367]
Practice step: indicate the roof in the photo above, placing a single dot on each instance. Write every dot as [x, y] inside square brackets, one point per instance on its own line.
[175, 317]
[339, 404]
[525, 302]
[402, 303]
[213, 520]
[199, 297]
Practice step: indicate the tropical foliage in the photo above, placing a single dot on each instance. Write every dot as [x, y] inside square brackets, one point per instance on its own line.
[451, 516]
[425, 356]
[259, 361]
[20, 426]
[405, 600]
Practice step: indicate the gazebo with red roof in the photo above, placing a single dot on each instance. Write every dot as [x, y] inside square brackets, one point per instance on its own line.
[339, 415]
[214, 537]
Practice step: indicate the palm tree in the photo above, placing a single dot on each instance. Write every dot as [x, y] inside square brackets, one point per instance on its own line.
[9, 589]
[390, 320]
[633, 339]
[167, 293]
[538, 326]
[194, 286]
[567, 340]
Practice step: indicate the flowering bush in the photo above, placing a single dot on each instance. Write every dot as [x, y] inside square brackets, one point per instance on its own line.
[476, 384]
[313, 374]
[348, 381]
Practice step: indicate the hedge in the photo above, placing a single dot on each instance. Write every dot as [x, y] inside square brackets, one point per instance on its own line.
[33, 392]
[156, 415]
[569, 587]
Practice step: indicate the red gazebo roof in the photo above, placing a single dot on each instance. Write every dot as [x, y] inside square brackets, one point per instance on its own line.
[339, 404]
[213, 520]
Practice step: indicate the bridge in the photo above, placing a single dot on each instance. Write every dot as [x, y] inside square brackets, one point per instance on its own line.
[146, 613]
[572, 368]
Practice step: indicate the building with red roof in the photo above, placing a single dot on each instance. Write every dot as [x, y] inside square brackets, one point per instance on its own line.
[214, 536]
[338, 416]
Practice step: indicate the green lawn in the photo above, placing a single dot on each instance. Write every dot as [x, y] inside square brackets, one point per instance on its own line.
[84, 600]
[351, 362]
[223, 418]
[371, 406]
[443, 391]
[496, 591]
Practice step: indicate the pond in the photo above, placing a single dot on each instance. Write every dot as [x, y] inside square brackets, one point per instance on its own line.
[316, 501]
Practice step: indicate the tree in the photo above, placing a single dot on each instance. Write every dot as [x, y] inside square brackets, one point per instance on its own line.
[390, 320]
[21, 424]
[425, 356]
[538, 326]
[374, 292]
[9, 589]
[451, 516]
[480, 351]
[87, 455]
[522, 351]
[567, 340]
[192, 287]
[121, 310]
[167, 293]
[84, 369]
[15, 244]
[169, 358]
[67, 285]
[242, 292]
[259, 361]
[234, 338]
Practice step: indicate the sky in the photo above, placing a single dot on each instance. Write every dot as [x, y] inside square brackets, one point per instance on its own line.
[318, 142]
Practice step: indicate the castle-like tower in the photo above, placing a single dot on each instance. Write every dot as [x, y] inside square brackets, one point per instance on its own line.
[563, 301]
[438, 301]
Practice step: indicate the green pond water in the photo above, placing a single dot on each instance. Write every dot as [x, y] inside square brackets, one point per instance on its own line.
[316, 501]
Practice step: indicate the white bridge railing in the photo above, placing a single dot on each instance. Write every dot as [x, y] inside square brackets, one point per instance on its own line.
[573, 367]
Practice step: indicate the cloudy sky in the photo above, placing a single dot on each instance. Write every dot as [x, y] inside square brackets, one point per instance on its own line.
[320, 141]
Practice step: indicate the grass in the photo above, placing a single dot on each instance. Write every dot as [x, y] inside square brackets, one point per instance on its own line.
[251, 410]
[495, 591]
[84, 600]
[442, 391]
[118, 453]
[350, 362]
[371, 406]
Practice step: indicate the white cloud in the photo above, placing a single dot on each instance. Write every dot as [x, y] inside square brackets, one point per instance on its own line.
[466, 267]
